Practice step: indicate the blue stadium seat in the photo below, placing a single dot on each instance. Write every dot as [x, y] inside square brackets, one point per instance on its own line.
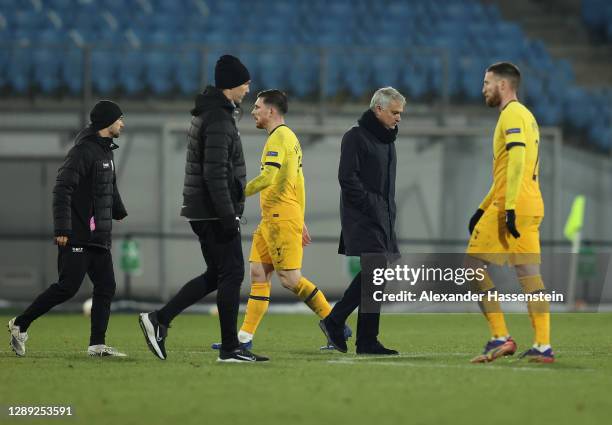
[362, 72]
[333, 74]
[72, 70]
[413, 80]
[386, 68]
[159, 70]
[131, 70]
[46, 64]
[601, 136]
[5, 56]
[577, 107]
[472, 74]
[104, 70]
[188, 71]
[19, 69]
[272, 69]
[304, 72]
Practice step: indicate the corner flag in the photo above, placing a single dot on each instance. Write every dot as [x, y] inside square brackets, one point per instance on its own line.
[575, 218]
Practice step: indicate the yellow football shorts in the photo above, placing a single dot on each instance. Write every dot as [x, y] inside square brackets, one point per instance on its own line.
[278, 243]
[491, 241]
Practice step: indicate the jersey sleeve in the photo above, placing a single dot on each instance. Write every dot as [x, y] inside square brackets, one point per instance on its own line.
[514, 136]
[300, 188]
[272, 161]
[513, 127]
[274, 154]
[487, 199]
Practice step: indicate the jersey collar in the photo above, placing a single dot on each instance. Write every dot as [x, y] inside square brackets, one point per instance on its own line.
[281, 125]
[513, 100]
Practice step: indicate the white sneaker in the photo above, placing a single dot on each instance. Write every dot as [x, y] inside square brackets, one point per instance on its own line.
[18, 338]
[104, 351]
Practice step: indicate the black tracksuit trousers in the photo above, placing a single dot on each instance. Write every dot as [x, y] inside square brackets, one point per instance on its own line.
[225, 272]
[73, 262]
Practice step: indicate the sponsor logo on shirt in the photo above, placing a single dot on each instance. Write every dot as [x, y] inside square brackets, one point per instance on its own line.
[513, 131]
[272, 153]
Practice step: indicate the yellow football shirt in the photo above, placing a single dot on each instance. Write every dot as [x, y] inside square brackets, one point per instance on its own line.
[284, 198]
[515, 128]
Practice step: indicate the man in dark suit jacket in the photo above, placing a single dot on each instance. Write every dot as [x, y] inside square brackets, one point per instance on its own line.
[367, 211]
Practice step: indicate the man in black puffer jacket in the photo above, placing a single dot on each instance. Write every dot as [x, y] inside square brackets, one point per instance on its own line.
[85, 201]
[213, 201]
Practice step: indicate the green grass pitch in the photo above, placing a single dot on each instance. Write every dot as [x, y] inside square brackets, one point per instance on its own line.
[432, 381]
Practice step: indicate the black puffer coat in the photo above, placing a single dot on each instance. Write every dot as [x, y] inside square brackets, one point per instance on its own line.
[367, 181]
[86, 188]
[215, 171]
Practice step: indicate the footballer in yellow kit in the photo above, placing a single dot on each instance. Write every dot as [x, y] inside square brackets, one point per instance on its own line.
[515, 188]
[505, 227]
[281, 235]
[278, 238]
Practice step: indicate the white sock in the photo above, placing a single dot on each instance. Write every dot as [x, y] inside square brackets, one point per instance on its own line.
[244, 337]
[541, 348]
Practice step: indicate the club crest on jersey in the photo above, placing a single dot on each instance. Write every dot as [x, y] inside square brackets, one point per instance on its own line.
[513, 131]
[271, 153]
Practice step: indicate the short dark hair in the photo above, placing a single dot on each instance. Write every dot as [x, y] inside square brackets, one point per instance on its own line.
[507, 70]
[275, 98]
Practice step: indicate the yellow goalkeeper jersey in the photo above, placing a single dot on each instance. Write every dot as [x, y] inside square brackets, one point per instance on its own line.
[516, 128]
[283, 193]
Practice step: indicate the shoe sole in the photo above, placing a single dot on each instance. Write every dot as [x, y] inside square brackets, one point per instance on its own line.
[501, 351]
[541, 359]
[105, 355]
[324, 329]
[10, 325]
[219, 360]
[147, 329]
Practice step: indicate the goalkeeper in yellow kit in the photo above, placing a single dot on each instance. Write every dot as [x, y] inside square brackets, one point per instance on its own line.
[505, 228]
[281, 235]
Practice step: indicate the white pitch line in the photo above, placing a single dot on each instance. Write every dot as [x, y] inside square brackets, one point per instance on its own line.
[442, 366]
[409, 355]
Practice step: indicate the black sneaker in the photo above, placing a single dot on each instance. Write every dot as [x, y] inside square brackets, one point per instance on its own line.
[154, 332]
[240, 356]
[334, 334]
[377, 348]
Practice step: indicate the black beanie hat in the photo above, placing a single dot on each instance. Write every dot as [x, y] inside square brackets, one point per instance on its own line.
[230, 72]
[103, 114]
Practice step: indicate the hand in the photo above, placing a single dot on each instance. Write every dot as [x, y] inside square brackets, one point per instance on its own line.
[511, 223]
[475, 218]
[61, 240]
[305, 236]
[231, 225]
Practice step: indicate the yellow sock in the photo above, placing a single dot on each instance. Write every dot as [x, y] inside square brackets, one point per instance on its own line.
[539, 311]
[310, 294]
[491, 309]
[256, 306]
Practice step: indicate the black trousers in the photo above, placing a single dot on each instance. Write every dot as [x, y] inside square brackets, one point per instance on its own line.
[224, 273]
[72, 264]
[368, 324]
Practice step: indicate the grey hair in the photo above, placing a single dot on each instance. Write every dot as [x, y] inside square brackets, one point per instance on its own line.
[384, 96]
